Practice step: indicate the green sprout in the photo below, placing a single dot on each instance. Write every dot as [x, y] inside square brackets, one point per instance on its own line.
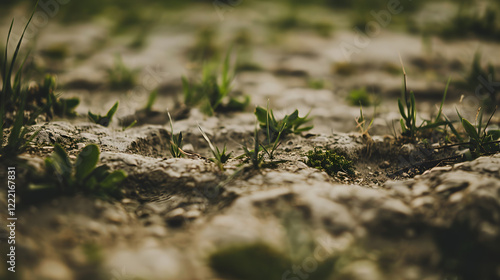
[151, 101]
[220, 157]
[120, 76]
[55, 105]
[104, 120]
[175, 141]
[481, 141]
[255, 157]
[408, 110]
[12, 97]
[81, 176]
[329, 161]
[275, 129]
[363, 126]
[213, 92]
[359, 96]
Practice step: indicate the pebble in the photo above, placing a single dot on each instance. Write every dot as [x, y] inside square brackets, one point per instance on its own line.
[384, 164]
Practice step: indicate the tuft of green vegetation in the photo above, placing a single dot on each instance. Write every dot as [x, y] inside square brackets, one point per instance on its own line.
[316, 83]
[120, 76]
[289, 124]
[44, 96]
[359, 97]
[472, 24]
[13, 102]
[329, 161]
[477, 80]
[151, 101]
[344, 69]
[104, 120]
[481, 140]
[175, 141]
[255, 156]
[213, 92]
[408, 110]
[361, 123]
[220, 157]
[250, 262]
[62, 177]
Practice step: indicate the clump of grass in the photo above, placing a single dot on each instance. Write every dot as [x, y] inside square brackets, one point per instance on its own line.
[344, 68]
[408, 110]
[478, 80]
[13, 101]
[220, 156]
[120, 76]
[481, 141]
[106, 119]
[316, 83]
[249, 262]
[359, 97]
[175, 141]
[62, 177]
[475, 25]
[44, 96]
[276, 128]
[329, 161]
[151, 101]
[213, 92]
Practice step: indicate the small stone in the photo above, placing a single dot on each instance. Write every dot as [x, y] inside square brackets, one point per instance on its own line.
[424, 201]
[80, 146]
[420, 189]
[301, 165]
[193, 214]
[341, 174]
[157, 231]
[114, 216]
[384, 164]
[298, 147]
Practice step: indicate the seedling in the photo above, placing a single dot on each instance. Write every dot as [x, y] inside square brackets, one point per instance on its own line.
[175, 141]
[289, 124]
[55, 105]
[359, 97]
[104, 120]
[272, 145]
[151, 101]
[255, 157]
[213, 92]
[408, 110]
[329, 161]
[120, 76]
[361, 122]
[220, 157]
[13, 96]
[481, 141]
[81, 176]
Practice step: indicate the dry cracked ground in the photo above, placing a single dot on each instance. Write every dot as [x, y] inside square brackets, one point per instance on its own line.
[183, 218]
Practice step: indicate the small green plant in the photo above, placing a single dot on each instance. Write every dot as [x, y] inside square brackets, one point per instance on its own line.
[359, 97]
[255, 156]
[44, 96]
[62, 177]
[316, 83]
[361, 123]
[175, 141]
[104, 120]
[289, 124]
[13, 100]
[329, 161]
[213, 92]
[120, 76]
[151, 101]
[408, 110]
[481, 141]
[478, 80]
[220, 157]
